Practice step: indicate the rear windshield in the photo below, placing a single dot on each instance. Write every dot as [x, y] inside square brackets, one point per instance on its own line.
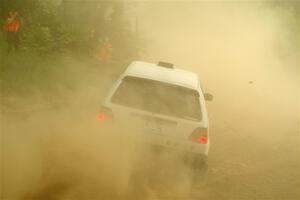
[158, 97]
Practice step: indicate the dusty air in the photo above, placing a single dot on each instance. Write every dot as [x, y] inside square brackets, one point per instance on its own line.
[149, 100]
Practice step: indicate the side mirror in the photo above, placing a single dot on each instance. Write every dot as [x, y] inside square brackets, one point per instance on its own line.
[208, 97]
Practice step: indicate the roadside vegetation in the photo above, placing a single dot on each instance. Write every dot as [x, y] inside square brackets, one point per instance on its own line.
[60, 43]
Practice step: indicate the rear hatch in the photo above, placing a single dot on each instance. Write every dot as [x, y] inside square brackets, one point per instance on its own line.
[155, 108]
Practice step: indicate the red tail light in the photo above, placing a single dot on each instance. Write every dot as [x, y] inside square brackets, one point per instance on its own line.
[199, 135]
[105, 114]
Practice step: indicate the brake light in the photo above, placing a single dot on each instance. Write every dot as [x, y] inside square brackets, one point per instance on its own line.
[101, 117]
[105, 114]
[199, 135]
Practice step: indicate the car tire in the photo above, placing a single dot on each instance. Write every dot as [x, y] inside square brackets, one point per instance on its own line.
[198, 168]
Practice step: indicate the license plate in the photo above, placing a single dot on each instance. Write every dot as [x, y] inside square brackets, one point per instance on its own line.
[152, 127]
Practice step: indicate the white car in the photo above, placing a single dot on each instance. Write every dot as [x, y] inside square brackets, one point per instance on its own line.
[165, 104]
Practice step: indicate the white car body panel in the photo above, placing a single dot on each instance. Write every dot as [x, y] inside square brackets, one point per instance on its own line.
[168, 131]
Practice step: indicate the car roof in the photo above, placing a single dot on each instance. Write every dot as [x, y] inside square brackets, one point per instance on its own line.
[159, 73]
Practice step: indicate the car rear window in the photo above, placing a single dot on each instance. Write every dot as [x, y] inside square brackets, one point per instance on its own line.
[158, 97]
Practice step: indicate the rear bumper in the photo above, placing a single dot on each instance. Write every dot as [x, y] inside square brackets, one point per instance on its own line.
[187, 146]
[193, 159]
[156, 141]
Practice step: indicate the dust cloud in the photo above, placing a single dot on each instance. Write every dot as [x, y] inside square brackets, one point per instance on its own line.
[231, 44]
[53, 147]
[246, 54]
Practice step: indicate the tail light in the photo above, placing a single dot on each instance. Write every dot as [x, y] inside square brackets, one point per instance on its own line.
[105, 114]
[199, 135]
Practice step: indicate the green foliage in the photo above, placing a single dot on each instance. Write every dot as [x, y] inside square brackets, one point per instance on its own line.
[48, 26]
[55, 31]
